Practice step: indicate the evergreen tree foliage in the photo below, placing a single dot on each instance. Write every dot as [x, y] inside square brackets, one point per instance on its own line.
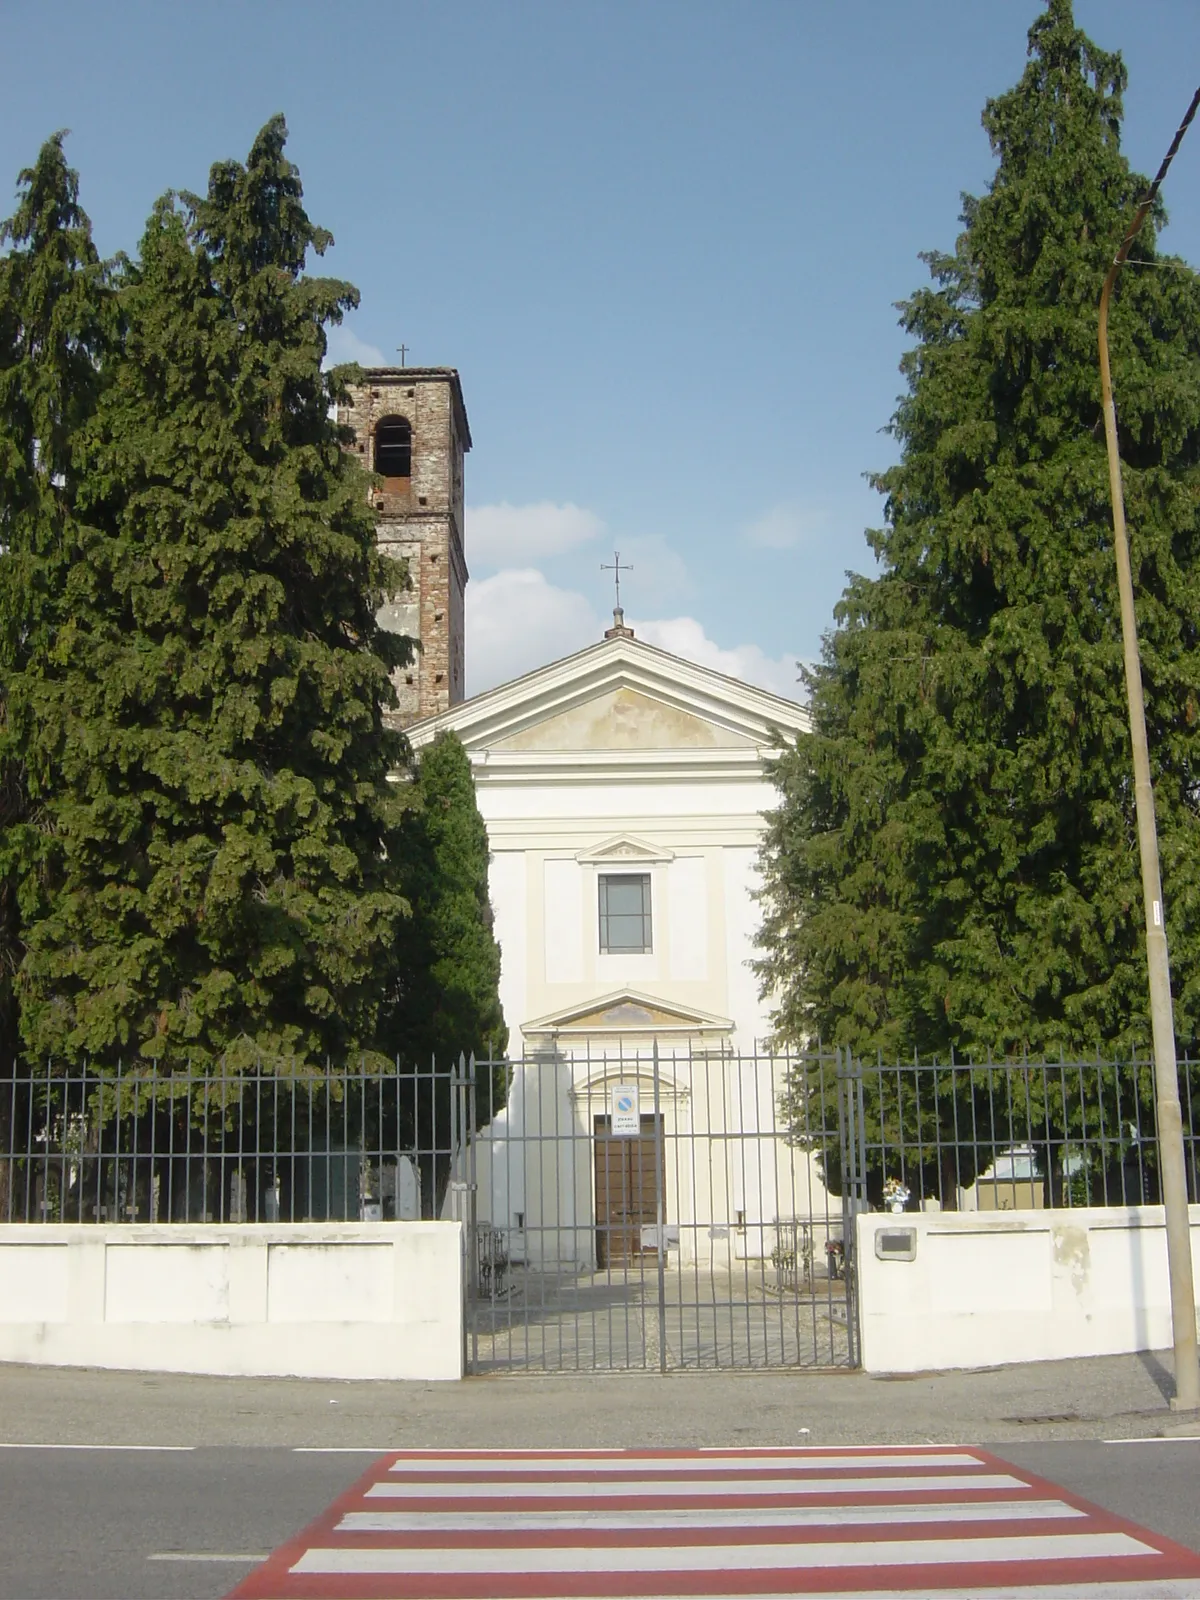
[448, 1000]
[212, 759]
[953, 865]
[57, 326]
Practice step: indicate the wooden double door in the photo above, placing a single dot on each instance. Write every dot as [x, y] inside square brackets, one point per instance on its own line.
[626, 1191]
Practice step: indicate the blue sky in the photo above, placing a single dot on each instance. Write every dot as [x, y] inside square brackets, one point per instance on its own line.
[661, 241]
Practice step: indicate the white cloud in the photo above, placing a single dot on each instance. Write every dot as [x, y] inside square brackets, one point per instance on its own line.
[783, 527]
[504, 535]
[684, 636]
[343, 344]
[516, 621]
[658, 574]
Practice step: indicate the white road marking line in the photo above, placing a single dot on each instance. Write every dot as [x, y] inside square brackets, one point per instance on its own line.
[751, 1451]
[708, 1558]
[742, 1484]
[1104, 1589]
[780, 1463]
[253, 1558]
[799, 1517]
[342, 1450]
[739, 1452]
[1169, 1438]
[170, 1449]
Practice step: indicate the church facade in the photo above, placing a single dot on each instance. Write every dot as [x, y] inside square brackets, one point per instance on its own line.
[623, 792]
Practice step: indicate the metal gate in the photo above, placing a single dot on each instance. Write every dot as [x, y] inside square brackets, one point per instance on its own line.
[662, 1209]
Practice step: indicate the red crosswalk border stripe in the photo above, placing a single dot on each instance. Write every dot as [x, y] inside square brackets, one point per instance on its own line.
[610, 1524]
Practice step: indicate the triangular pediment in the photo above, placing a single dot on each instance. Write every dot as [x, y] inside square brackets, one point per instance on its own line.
[627, 1011]
[623, 719]
[621, 697]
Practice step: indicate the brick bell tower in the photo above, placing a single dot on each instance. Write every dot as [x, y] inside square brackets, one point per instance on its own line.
[410, 427]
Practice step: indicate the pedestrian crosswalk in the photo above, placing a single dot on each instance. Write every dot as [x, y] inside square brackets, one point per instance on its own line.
[603, 1524]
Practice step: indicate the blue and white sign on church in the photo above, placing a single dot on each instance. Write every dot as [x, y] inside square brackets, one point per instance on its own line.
[624, 1111]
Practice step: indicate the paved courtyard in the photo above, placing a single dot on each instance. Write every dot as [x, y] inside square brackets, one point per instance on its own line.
[612, 1321]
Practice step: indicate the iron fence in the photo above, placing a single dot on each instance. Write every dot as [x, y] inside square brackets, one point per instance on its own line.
[621, 1209]
[992, 1135]
[214, 1146]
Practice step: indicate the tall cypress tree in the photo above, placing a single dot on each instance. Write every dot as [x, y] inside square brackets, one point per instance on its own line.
[57, 329]
[448, 997]
[221, 883]
[444, 1000]
[954, 862]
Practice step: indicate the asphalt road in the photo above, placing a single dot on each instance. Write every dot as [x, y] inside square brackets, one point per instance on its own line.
[88, 1524]
[1156, 1484]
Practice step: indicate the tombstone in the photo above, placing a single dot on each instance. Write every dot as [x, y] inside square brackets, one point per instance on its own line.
[238, 1191]
[408, 1191]
[201, 1190]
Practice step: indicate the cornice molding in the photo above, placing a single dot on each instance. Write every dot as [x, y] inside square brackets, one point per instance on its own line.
[728, 764]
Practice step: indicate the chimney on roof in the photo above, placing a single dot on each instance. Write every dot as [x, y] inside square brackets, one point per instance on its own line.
[618, 629]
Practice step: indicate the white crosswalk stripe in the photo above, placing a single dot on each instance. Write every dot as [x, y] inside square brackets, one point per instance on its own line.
[691, 1489]
[708, 1463]
[703, 1558]
[794, 1517]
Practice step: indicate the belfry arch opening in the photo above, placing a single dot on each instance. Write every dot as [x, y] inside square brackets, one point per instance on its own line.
[393, 447]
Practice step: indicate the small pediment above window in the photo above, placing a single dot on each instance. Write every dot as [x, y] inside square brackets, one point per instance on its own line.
[631, 1013]
[625, 850]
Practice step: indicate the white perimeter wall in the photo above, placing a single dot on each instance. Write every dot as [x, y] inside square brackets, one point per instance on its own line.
[988, 1288]
[313, 1300]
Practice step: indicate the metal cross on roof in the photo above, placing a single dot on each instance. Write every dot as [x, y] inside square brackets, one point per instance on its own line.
[616, 567]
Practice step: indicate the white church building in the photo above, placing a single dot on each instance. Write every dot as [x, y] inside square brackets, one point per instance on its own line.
[623, 790]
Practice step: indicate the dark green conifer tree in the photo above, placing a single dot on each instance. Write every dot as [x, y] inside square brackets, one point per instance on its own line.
[222, 883]
[57, 329]
[448, 1002]
[954, 862]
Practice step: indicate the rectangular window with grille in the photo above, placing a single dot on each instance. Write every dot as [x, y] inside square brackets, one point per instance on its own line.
[625, 913]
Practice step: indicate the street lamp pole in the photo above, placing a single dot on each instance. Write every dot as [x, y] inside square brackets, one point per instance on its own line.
[1166, 1074]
